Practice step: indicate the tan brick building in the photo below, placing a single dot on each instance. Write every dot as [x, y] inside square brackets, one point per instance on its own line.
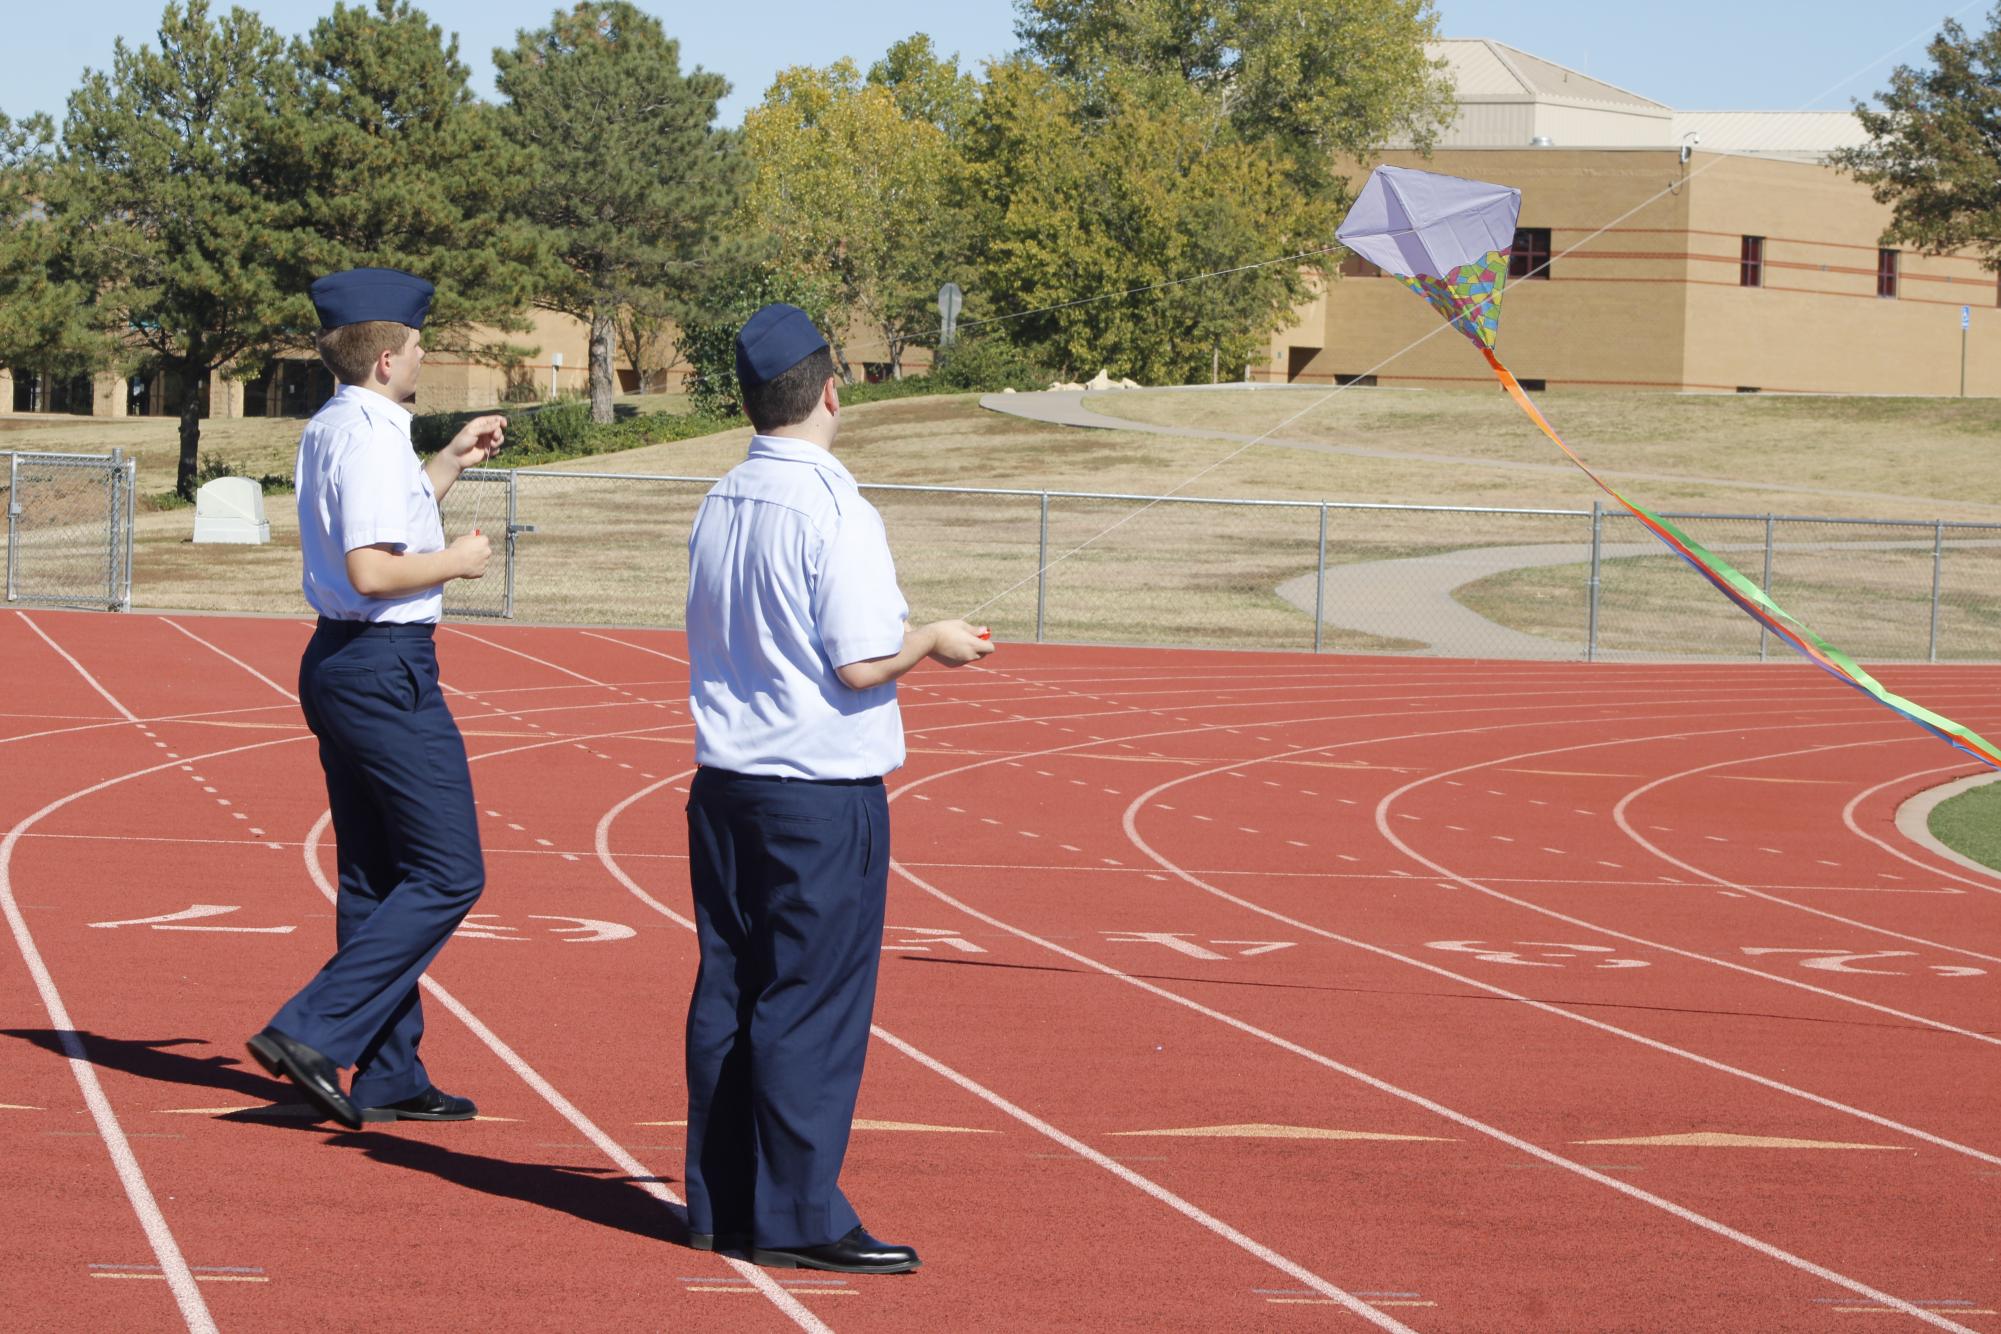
[1708, 251]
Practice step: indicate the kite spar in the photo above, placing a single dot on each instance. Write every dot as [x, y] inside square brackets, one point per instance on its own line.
[1447, 239]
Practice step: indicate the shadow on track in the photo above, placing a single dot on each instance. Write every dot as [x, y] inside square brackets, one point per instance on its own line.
[155, 1059]
[584, 1193]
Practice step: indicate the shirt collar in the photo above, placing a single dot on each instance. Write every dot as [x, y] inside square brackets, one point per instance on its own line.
[370, 401]
[791, 449]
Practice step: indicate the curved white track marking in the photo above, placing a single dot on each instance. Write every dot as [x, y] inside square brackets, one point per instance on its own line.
[642, 1175]
[1993, 886]
[231, 657]
[592, 634]
[1619, 817]
[207, 718]
[1186, 1209]
[1458, 1118]
[1426, 965]
[587, 680]
[601, 841]
[1390, 836]
[90, 680]
[173, 1265]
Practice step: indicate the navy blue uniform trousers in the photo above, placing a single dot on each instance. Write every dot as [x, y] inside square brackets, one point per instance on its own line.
[407, 844]
[790, 879]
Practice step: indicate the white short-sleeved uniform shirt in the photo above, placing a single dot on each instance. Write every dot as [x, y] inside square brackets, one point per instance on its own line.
[790, 577]
[359, 485]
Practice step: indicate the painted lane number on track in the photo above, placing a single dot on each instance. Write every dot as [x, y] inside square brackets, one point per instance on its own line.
[581, 931]
[920, 939]
[1537, 953]
[1841, 961]
[1181, 943]
[182, 921]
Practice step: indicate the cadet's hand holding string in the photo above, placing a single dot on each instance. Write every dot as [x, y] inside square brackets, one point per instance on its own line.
[956, 643]
[477, 441]
[951, 643]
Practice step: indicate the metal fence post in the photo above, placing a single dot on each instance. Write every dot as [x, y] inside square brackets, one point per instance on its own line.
[507, 590]
[13, 515]
[1765, 587]
[1938, 554]
[131, 521]
[113, 511]
[1042, 570]
[1597, 552]
[1320, 580]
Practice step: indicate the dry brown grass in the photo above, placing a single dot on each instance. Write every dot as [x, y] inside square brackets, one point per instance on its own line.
[613, 551]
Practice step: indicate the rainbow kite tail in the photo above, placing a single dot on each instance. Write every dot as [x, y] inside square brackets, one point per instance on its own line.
[1753, 600]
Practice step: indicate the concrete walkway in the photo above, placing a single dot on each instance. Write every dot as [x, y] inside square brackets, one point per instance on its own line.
[1412, 598]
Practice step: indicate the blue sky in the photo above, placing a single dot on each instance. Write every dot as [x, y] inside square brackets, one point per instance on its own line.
[1698, 55]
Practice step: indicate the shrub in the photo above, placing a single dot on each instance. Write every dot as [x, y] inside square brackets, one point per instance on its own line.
[986, 364]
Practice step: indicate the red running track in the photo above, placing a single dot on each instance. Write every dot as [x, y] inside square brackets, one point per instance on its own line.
[1223, 991]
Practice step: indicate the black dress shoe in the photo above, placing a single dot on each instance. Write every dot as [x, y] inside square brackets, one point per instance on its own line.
[719, 1241]
[316, 1076]
[856, 1253]
[433, 1104]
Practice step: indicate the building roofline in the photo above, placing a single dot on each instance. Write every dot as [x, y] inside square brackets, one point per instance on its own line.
[1503, 52]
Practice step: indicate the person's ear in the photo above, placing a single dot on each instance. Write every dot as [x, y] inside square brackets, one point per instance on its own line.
[830, 395]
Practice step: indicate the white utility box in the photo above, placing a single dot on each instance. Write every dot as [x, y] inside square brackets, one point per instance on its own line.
[231, 509]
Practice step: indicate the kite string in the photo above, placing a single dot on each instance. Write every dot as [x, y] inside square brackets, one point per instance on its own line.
[1672, 188]
[1753, 600]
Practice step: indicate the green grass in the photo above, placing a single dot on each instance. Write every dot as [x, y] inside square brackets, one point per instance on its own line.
[1970, 824]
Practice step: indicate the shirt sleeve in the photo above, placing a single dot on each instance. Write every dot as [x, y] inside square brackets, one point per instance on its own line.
[857, 607]
[371, 493]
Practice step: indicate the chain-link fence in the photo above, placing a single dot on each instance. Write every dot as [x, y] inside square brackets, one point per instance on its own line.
[69, 529]
[1076, 567]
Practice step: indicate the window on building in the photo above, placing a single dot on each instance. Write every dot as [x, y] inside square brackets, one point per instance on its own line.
[1751, 262]
[1354, 266]
[1360, 381]
[1886, 273]
[1529, 256]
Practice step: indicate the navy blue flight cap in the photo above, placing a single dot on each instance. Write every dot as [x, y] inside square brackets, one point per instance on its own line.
[357, 296]
[773, 341]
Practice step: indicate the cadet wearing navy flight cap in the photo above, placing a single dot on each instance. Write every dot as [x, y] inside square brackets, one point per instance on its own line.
[405, 831]
[797, 633]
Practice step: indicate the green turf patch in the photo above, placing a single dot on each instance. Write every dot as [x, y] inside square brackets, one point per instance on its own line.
[1970, 824]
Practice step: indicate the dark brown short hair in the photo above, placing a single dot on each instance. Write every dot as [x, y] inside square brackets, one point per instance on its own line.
[791, 398]
[350, 351]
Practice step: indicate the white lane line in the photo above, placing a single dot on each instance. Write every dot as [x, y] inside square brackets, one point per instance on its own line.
[980, 1091]
[1668, 1206]
[641, 1175]
[611, 1148]
[592, 634]
[1132, 834]
[544, 662]
[1384, 827]
[90, 680]
[232, 658]
[1848, 818]
[1619, 814]
[173, 1265]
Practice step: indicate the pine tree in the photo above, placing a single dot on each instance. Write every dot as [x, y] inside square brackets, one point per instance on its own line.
[628, 177]
[162, 201]
[399, 165]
